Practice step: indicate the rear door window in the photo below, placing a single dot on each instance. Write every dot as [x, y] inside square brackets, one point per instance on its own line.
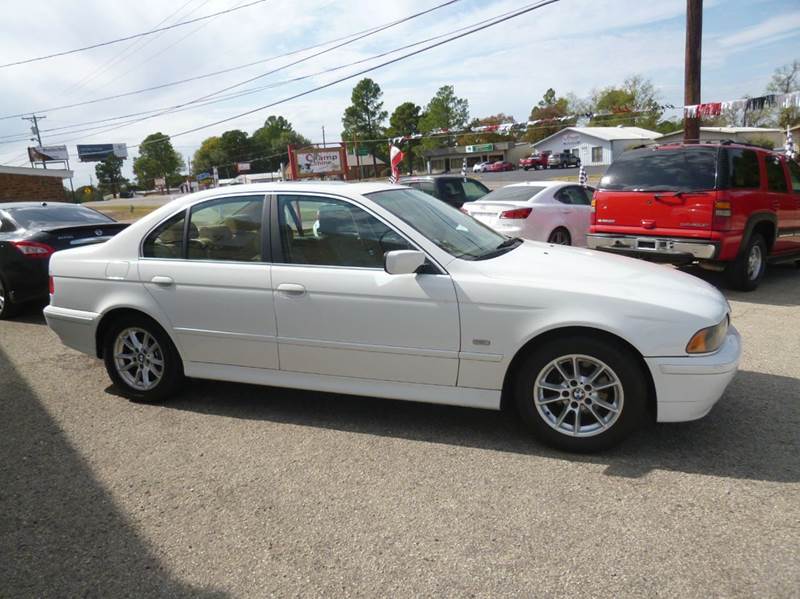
[426, 186]
[166, 240]
[741, 168]
[228, 229]
[776, 178]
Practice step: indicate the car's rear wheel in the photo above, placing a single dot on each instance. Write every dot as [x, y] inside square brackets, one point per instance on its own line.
[560, 236]
[746, 272]
[581, 393]
[7, 307]
[141, 359]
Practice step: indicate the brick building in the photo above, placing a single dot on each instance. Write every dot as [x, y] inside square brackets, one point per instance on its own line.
[22, 184]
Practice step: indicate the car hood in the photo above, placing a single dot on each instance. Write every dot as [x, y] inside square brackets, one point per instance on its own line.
[640, 288]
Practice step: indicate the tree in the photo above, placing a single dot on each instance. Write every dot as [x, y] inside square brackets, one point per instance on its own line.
[444, 111]
[784, 80]
[405, 121]
[109, 174]
[486, 137]
[365, 116]
[633, 104]
[208, 155]
[269, 143]
[548, 109]
[157, 158]
[234, 146]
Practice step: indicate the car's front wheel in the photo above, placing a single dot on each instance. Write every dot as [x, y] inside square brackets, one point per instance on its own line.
[581, 393]
[141, 359]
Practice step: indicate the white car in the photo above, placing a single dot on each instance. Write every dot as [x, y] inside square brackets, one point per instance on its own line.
[552, 211]
[398, 295]
[480, 167]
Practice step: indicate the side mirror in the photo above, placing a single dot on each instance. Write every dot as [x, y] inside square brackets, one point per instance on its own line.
[403, 262]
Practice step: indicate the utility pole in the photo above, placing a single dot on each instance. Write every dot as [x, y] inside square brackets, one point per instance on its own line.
[691, 81]
[35, 130]
[323, 136]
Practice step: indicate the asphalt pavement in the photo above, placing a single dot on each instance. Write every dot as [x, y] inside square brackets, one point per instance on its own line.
[240, 491]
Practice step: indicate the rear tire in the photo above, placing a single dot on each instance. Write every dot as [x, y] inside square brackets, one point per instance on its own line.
[141, 359]
[7, 307]
[585, 411]
[746, 272]
[560, 236]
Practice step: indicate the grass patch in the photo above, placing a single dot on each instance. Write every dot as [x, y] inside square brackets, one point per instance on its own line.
[126, 214]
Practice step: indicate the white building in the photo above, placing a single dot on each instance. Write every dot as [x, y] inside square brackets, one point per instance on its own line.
[596, 146]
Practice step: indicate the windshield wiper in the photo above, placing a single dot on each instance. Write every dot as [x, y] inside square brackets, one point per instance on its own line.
[502, 248]
[508, 243]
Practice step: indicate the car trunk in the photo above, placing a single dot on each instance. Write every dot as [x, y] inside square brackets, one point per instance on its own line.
[489, 213]
[692, 211]
[67, 236]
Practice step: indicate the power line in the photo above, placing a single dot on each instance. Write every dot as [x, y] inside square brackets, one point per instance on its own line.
[348, 38]
[517, 13]
[130, 37]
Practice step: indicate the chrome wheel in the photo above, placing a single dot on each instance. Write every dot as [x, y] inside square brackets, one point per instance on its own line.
[138, 359]
[754, 262]
[578, 395]
[560, 237]
[2, 296]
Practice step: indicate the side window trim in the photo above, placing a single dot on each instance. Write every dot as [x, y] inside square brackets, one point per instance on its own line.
[277, 249]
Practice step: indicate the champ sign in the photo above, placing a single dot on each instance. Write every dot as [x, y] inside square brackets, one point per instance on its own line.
[317, 162]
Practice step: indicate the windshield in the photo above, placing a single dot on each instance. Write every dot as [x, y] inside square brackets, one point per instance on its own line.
[523, 193]
[679, 169]
[49, 216]
[453, 231]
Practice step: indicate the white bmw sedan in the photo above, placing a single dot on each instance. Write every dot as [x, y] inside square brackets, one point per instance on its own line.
[552, 211]
[394, 294]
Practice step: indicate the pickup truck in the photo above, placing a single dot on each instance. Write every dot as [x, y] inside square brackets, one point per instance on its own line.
[534, 161]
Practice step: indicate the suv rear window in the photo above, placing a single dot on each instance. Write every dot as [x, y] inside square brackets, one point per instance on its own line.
[680, 169]
[739, 169]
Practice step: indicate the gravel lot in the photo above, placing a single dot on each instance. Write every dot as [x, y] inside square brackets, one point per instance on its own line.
[233, 490]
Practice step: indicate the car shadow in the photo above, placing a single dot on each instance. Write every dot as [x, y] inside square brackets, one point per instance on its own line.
[779, 287]
[750, 434]
[31, 314]
[61, 534]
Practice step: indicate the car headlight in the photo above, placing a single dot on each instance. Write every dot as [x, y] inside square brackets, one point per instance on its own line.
[710, 339]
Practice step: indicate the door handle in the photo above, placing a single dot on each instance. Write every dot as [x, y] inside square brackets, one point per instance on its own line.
[163, 281]
[291, 289]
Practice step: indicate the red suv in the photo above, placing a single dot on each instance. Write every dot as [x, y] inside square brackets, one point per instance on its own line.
[728, 206]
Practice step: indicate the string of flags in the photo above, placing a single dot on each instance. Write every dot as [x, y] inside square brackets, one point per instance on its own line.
[709, 109]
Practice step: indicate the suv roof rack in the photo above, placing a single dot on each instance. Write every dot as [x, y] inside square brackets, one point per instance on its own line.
[723, 142]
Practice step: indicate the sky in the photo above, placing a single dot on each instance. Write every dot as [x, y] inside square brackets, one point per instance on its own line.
[572, 46]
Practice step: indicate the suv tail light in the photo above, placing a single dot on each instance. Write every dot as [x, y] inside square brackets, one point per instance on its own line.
[517, 213]
[33, 249]
[593, 212]
[51, 285]
[722, 215]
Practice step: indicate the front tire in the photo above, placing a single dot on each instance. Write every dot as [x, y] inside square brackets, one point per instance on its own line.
[141, 359]
[745, 273]
[581, 394]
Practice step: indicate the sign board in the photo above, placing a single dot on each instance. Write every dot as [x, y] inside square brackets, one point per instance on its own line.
[242, 166]
[480, 148]
[99, 152]
[571, 138]
[48, 154]
[317, 162]
[203, 176]
[160, 182]
[363, 151]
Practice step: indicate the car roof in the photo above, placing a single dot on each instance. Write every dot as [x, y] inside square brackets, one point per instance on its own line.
[539, 184]
[709, 144]
[431, 177]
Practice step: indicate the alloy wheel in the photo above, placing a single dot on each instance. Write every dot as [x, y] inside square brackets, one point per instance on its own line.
[578, 395]
[560, 237]
[754, 262]
[138, 358]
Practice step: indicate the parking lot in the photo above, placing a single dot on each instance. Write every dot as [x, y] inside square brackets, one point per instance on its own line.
[233, 490]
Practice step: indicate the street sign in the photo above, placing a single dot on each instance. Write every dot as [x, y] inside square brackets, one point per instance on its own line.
[480, 148]
[160, 182]
[243, 166]
[203, 176]
[363, 151]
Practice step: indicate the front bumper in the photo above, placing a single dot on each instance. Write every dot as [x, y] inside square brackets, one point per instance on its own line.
[673, 250]
[75, 328]
[688, 387]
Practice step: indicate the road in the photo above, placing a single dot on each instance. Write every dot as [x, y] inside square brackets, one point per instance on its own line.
[240, 491]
